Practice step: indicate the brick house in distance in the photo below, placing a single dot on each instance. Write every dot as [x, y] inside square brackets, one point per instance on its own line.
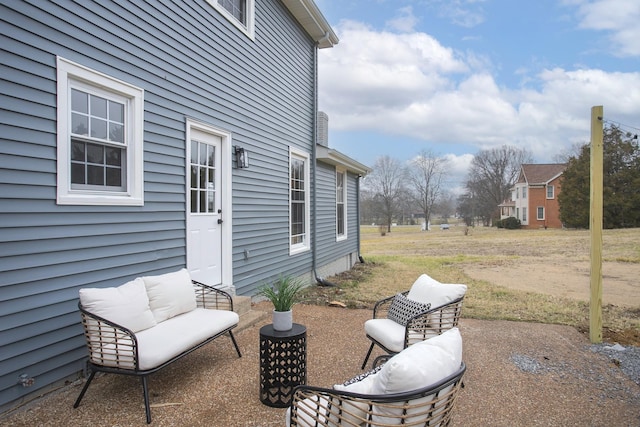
[534, 197]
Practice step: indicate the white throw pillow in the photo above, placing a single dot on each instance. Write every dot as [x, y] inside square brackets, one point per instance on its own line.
[418, 366]
[126, 305]
[170, 294]
[354, 411]
[428, 290]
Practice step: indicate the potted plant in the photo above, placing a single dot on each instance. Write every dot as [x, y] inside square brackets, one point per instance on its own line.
[284, 292]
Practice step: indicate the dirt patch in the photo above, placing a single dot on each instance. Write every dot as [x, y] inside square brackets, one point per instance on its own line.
[620, 280]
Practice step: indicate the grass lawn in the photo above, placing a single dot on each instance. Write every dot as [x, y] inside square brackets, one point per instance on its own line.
[395, 260]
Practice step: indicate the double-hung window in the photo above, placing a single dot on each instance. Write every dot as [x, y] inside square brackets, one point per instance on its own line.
[298, 202]
[239, 12]
[341, 204]
[540, 214]
[550, 191]
[100, 138]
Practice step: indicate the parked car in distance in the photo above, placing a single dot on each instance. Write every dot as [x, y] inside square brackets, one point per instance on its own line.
[444, 226]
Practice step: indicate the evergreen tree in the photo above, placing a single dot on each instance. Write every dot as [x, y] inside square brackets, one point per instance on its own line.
[621, 183]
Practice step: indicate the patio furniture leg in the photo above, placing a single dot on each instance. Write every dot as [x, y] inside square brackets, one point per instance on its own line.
[145, 390]
[366, 359]
[84, 389]
[235, 343]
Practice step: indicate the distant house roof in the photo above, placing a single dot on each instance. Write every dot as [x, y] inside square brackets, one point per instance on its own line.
[312, 20]
[534, 174]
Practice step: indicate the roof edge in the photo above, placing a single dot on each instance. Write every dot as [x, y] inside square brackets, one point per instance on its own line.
[313, 21]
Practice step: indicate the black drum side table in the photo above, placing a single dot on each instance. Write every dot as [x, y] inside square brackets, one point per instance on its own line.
[283, 364]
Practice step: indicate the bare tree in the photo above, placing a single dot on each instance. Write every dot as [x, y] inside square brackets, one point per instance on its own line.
[386, 182]
[491, 176]
[426, 172]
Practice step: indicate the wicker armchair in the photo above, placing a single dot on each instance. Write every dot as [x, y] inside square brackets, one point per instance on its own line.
[421, 323]
[430, 405]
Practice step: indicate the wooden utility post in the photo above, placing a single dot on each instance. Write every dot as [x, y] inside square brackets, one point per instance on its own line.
[595, 225]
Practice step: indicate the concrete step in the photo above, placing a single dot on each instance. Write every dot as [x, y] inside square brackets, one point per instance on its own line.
[241, 304]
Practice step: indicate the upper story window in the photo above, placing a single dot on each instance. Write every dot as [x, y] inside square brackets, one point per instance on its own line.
[100, 138]
[524, 192]
[299, 198]
[239, 12]
[550, 191]
[341, 204]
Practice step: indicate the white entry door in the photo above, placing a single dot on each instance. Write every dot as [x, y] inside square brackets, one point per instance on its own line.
[204, 207]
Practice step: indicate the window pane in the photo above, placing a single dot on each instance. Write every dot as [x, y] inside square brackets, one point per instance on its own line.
[95, 175]
[203, 154]
[79, 124]
[98, 128]
[98, 107]
[203, 201]
[77, 150]
[114, 177]
[235, 7]
[194, 201]
[77, 173]
[203, 178]
[113, 156]
[116, 112]
[211, 155]
[211, 201]
[194, 152]
[194, 176]
[116, 132]
[79, 101]
[95, 153]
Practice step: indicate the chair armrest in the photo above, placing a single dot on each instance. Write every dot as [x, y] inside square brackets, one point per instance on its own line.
[433, 322]
[109, 344]
[381, 308]
[212, 298]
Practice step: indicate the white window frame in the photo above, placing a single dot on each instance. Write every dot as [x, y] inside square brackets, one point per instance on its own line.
[524, 215]
[524, 192]
[538, 210]
[551, 189]
[249, 27]
[343, 172]
[72, 75]
[305, 245]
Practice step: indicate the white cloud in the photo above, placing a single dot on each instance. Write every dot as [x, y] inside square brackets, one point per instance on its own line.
[405, 22]
[618, 17]
[411, 86]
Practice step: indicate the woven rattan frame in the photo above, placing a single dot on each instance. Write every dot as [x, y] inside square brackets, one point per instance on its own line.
[120, 356]
[328, 407]
[420, 327]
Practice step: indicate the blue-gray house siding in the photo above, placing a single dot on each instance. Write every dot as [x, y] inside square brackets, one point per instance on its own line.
[192, 63]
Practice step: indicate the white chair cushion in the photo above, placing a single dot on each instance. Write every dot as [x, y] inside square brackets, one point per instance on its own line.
[126, 305]
[170, 294]
[418, 366]
[182, 332]
[428, 290]
[387, 332]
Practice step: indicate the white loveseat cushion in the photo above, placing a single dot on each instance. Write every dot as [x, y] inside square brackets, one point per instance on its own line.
[170, 294]
[127, 305]
[184, 331]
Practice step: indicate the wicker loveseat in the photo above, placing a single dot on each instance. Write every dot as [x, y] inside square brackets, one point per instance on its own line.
[426, 310]
[146, 324]
[416, 387]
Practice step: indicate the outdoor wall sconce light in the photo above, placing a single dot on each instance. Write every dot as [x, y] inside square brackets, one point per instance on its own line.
[242, 158]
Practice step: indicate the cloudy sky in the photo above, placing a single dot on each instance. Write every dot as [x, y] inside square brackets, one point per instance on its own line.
[458, 76]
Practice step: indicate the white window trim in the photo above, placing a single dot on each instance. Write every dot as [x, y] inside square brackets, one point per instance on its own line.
[340, 237]
[69, 72]
[249, 30]
[538, 213]
[306, 244]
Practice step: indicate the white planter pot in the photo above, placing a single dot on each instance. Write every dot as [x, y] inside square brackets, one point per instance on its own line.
[282, 320]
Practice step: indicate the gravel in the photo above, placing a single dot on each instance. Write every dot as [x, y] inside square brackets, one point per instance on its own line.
[518, 374]
[625, 358]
